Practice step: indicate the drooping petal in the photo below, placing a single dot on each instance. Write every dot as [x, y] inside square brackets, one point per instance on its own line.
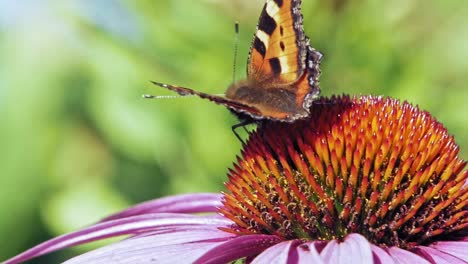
[281, 253]
[437, 256]
[402, 256]
[354, 247]
[186, 203]
[381, 256]
[458, 249]
[307, 253]
[239, 247]
[119, 227]
[172, 247]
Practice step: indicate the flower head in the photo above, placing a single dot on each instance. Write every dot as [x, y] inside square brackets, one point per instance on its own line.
[368, 165]
[366, 178]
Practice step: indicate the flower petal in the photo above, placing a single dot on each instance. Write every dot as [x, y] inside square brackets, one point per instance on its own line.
[124, 226]
[437, 256]
[186, 203]
[307, 253]
[280, 253]
[354, 246]
[405, 257]
[168, 248]
[381, 256]
[239, 247]
[454, 248]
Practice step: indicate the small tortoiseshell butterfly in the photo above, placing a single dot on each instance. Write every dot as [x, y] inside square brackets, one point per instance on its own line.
[282, 70]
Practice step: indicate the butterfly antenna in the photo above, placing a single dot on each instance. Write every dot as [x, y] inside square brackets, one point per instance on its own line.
[149, 96]
[236, 44]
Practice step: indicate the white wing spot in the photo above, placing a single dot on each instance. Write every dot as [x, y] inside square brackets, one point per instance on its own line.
[272, 8]
[263, 37]
[284, 64]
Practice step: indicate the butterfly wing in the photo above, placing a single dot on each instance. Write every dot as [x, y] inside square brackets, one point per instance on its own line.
[283, 69]
[279, 48]
[306, 89]
[231, 104]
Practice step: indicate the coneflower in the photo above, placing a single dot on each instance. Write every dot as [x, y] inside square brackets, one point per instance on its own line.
[362, 180]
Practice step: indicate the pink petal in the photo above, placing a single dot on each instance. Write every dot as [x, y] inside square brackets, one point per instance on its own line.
[354, 247]
[436, 256]
[381, 256]
[307, 253]
[174, 247]
[239, 247]
[405, 257]
[186, 203]
[458, 249]
[124, 226]
[283, 252]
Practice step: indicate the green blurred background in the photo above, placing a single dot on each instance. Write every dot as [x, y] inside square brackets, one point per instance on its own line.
[78, 142]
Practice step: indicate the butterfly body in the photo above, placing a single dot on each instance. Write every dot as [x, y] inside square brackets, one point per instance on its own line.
[282, 69]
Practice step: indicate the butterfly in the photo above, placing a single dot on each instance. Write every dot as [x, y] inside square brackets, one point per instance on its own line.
[282, 70]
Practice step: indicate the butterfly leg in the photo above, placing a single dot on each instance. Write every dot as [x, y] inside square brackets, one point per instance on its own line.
[242, 124]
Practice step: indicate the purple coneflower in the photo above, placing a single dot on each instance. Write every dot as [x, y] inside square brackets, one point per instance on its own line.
[363, 180]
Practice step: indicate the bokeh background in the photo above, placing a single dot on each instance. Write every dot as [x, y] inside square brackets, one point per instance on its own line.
[78, 141]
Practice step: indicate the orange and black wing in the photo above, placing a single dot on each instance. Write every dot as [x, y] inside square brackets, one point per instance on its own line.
[281, 102]
[279, 48]
[306, 89]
